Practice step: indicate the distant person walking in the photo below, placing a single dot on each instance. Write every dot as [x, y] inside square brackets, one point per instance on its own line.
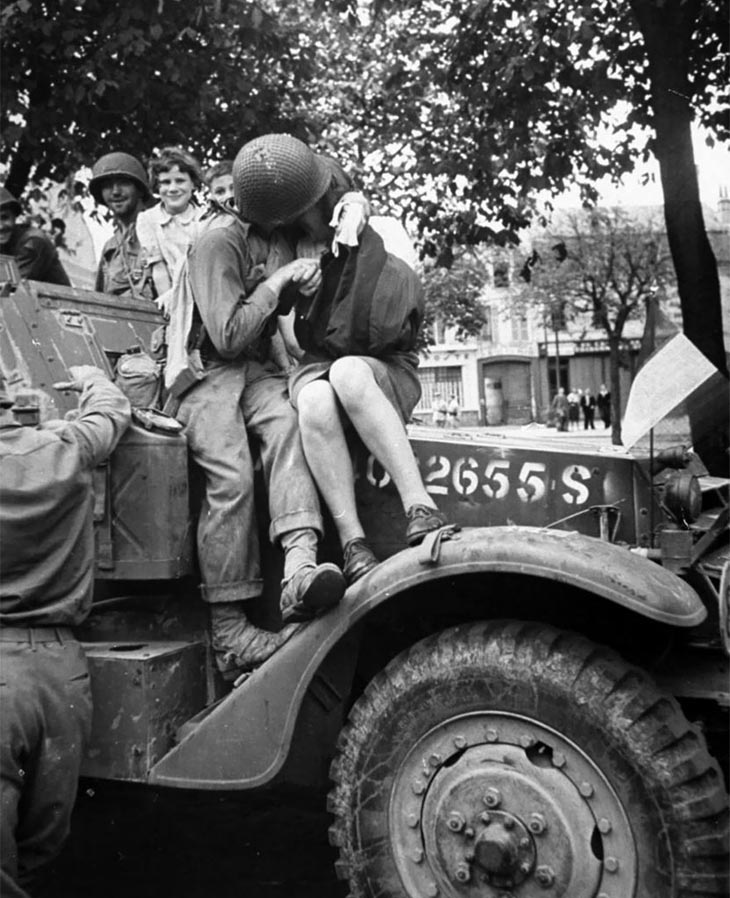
[588, 407]
[440, 410]
[453, 411]
[574, 410]
[603, 402]
[560, 407]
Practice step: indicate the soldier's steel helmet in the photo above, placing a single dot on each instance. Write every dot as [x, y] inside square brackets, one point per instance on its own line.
[120, 165]
[276, 178]
[8, 200]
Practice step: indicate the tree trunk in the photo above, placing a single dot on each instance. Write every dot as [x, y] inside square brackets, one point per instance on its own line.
[614, 373]
[19, 171]
[667, 29]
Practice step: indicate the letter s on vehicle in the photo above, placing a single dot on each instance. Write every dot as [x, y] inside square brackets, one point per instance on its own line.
[575, 478]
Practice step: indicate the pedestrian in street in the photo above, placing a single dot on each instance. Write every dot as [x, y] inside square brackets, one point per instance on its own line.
[119, 182]
[357, 322]
[453, 412]
[559, 408]
[574, 409]
[46, 582]
[588, 407]
[440, 410]
[603, 402]
[34, 250]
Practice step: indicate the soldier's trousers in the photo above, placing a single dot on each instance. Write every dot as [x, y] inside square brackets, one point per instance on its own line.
[45, 705]
[236, 403]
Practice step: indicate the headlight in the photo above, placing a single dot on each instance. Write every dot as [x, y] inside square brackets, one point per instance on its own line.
[683, 497]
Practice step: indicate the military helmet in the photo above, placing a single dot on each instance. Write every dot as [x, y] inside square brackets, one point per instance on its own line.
[7, 199]
[276, 178]
[119, 165]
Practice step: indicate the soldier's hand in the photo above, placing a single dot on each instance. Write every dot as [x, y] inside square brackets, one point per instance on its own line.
[80, 374]
[304, 274]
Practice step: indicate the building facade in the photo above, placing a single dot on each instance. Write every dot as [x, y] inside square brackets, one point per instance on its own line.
[511, 371]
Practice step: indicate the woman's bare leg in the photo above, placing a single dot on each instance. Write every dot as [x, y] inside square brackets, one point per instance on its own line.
[379, 426]
[328, 456]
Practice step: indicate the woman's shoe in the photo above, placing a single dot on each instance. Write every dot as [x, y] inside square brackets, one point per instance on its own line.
[359, 560]
[422, 519]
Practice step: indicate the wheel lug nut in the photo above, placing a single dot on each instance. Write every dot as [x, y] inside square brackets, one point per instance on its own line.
[463, 873]
[417, 855]
[418, 787]
[611, 864]
[524, 843]
[537, 824]
[545, 876]
[485, 816]
[586, 790]
[492, 735]
[558, 759]
[527, 741]
[469, 832]
[435, 759]
[492, 798]
[455, 822]
[459, 742]
[412, 820]
[509, 823]
[604, 826]
[525, 868]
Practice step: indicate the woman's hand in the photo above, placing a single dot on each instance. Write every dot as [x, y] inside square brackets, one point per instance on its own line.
[304, 274]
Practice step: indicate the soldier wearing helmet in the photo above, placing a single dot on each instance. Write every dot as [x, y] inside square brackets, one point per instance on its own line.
[119, 182]
[232, 395]
[34, 251]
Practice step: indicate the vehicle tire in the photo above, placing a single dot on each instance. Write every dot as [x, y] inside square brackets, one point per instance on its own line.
[513, 759]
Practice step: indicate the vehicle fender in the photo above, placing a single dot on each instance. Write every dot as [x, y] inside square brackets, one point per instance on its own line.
[243, 742]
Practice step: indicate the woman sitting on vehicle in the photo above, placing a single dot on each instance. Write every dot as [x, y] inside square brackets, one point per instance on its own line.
[355, 332]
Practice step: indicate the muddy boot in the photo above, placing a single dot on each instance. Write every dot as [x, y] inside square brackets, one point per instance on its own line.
[238, 644]
[311, 588]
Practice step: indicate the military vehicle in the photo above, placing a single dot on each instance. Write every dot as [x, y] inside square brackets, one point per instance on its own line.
[517, 708]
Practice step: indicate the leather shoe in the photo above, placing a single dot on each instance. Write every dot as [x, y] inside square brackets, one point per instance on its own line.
[310, 589]
[422, 519]
[359, 560]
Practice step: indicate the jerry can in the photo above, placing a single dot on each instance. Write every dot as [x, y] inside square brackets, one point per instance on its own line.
[142, 509]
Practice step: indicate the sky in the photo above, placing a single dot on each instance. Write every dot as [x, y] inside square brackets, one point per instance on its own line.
[713, 172]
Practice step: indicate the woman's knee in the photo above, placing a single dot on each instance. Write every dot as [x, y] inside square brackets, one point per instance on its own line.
[352, 379]
[316, 405]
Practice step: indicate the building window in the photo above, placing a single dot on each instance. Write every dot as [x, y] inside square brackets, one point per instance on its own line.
[487, 331]
[520, 331]
[439, 331]
[447, 381]
[501, 274]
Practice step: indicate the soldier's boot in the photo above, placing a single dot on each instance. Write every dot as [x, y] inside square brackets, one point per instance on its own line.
[307, 587]
[239, 645]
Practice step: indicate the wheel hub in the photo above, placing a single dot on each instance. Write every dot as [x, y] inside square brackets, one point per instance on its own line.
[482, 811]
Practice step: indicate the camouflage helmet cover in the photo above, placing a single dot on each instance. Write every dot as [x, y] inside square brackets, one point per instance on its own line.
[119, 165]
[276, 178]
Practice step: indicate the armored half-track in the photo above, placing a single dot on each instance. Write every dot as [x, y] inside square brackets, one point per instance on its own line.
[519, 707]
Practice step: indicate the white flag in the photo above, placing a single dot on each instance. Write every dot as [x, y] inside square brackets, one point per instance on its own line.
[667, 378]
